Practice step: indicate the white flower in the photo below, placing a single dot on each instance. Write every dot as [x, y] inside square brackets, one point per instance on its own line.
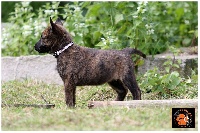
[187, 22]
[146, 25]
[144, 18]
[109, 32]
[36, 34]
[76, 25]
[149, 26]
[27, 33]
[138, 9]
[44, 24]
[111, 40]
[25, 4]
[80, 34]
[135, 16]
[150, 31]
[140, 3]
[24, 9]
[56, 12]
[145, 3]
[82, 25]
[37, 28]
[164, 12]
[77, 9]
[49, 12]
[27, 27]
[27, 30]
[144, 10]
[17, 10]
[103, 40]
[5, 34]
[30, 19]
[54, 6]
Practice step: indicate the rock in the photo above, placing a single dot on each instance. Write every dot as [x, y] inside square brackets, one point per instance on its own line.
[42, 68]
[188, 63]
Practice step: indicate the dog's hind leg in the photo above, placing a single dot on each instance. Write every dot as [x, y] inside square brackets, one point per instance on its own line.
[129, 82]
[119, 88]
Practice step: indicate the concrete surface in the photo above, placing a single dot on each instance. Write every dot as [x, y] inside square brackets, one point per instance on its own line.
[188, 63]
[35, 67]
[43, 67]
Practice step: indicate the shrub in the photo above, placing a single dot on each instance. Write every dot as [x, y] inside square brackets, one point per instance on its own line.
[167, 83]
[24, 28]
[148, 26]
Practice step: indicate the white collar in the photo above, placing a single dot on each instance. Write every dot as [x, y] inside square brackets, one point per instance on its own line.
[57, 53]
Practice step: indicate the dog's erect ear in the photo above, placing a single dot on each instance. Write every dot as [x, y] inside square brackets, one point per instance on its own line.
[53, 26]
[58, 21]
[51, 22]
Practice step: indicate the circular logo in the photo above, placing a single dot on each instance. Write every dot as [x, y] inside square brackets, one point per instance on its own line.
[182, 118]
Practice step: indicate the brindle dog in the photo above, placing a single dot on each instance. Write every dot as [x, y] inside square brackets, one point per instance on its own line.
[79, 66]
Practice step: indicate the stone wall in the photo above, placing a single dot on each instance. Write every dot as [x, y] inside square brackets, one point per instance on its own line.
[43, 67]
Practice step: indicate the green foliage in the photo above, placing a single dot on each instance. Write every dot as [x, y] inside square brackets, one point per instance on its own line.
[9, 6]
[169, 83]
[23, 31]
[6, 7]
[148, 26]
[80, 119]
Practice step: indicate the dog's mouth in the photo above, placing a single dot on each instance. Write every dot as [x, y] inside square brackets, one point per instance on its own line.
[41, 48]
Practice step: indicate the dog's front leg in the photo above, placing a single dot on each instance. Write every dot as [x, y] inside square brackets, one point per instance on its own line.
[70, 97]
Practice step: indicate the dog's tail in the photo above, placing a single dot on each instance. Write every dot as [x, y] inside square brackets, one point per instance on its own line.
[134, 51]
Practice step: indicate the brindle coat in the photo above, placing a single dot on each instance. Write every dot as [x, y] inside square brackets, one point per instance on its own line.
[78, 66]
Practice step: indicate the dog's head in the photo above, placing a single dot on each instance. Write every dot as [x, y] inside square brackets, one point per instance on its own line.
[53, 38]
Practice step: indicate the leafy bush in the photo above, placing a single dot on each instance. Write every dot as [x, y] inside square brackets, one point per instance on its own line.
[148, 26]
[24, 29]
[166, 86]
[169, 83]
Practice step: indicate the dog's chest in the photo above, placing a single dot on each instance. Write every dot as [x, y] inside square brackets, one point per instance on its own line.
[69, 64]
[64, 68]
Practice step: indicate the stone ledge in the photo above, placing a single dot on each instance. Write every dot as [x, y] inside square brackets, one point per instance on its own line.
[188, 63]
[43, 68]
[34, 67]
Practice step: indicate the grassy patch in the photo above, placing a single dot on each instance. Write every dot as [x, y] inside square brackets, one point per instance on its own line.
[80, 118]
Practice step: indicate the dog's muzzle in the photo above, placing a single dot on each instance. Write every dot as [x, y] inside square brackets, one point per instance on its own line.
[41, 48]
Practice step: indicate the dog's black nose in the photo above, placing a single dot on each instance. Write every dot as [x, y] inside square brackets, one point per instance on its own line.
[37, 47]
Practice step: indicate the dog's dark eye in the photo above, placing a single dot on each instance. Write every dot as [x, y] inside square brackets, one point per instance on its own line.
[44, 37]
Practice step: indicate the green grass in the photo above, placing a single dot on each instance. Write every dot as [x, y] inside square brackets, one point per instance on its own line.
[86, 119]
[79, 118]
